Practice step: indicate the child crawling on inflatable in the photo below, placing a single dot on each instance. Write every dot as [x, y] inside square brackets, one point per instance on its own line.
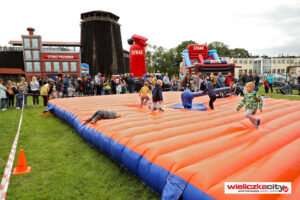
[251, 99]
[102, 114]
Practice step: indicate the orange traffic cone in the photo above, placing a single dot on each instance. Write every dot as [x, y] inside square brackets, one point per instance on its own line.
[43, 114]
[22, 167]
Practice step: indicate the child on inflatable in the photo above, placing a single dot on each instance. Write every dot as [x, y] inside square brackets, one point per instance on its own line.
[102, 114]
[251, 99]
[157, 97]
[144, 94]
[211, 93]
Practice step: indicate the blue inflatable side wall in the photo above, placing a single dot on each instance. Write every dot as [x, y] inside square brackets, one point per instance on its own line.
[157, 178]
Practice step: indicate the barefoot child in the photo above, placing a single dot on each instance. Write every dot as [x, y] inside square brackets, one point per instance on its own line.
[157, 96]
[144, 94]
[102, 114]
[251, 99]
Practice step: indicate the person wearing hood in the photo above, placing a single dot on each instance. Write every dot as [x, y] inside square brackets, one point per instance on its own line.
[211, 93]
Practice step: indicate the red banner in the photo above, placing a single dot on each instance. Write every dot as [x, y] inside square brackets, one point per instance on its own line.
[60, 57]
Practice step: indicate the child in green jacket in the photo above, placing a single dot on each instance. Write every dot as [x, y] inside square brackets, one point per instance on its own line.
[251, 99]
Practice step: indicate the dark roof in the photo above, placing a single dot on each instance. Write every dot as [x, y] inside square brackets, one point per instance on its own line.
[11, 71]
[99, 13]
[47, 43]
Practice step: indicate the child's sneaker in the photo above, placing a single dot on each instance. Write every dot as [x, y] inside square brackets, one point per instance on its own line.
[18, 108]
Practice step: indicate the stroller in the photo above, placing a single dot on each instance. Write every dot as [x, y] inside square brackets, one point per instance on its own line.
[282, 88]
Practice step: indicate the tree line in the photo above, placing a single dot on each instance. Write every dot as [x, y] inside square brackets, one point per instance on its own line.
[160, 59]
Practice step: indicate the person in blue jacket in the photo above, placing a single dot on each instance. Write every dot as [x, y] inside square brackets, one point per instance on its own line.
[211, 93]
[157, 96]
[270, 79]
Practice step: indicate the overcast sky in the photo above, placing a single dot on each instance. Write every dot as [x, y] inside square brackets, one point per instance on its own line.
[261, 26]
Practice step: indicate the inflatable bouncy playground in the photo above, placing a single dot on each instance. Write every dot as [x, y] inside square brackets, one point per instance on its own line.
[188, 154]
[198, 58]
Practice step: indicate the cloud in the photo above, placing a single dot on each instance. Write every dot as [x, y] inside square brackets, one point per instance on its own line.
[284, 21]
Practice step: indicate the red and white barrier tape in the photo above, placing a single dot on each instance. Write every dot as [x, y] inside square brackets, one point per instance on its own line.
[10, 162]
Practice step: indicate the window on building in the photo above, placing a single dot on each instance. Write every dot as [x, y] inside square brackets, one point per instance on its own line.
[288, 61]
[29, 66]
[48, 66]
[278, 61]
[240, 61]
[283, 61]
[246, 71]
[235, 61]
[36, 55]
[245, 61]
[28, 55]
[35, 43]
[282, 70]
[255, 71]
[250, 61]
[274, 61]
[37, 66]
[274, 71]
[65, 66]
[278, 71]
[56, 66]
[250, 70]
[27, 43]
[292, 62]
[73, 67]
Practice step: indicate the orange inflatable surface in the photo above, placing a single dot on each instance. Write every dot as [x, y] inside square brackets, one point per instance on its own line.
[203, 148]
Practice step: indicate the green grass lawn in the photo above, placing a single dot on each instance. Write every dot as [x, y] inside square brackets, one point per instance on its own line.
[295, 95]
[63, 165]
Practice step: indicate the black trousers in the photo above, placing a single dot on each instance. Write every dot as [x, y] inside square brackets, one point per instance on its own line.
[35, 97]
[211, 101]
[45, 100]
[266, 89]
[11, 100]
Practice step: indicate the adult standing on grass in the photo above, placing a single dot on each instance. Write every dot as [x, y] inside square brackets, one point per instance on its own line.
[59, 87]
[241, 79]
[249, 78]
[299, 82]
[197, 83]
[166, 81]
[290, 82]
[34, 87]
[270, 79]
[10, 94]
[220, 80]
[256, 81]
[24, 85]
[45, 92]
[3, 97]
[229, 78]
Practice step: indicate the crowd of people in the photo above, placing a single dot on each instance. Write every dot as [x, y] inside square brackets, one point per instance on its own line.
[15, 94]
